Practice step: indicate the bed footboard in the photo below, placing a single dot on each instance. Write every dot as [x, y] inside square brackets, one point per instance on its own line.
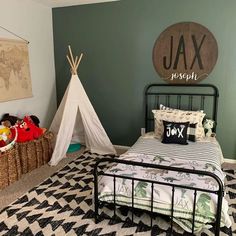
[219, 192]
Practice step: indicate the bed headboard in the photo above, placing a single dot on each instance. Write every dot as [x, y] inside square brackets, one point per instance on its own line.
[186, 97]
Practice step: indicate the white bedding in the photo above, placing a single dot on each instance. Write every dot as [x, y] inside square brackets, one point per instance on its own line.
[150, 147]
[204, 155]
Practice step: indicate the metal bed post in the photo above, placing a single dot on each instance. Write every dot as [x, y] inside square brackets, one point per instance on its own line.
[114, 200]
[152, 188]
[218, 211]
[194, 208]
[172, 208]
[132, 201]
[96, 201]
[215, 105]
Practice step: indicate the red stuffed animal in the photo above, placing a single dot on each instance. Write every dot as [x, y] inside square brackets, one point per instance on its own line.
[27, 130]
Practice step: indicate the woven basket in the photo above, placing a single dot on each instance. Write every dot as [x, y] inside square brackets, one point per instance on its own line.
[36, 153]
[23, 158]
[10, 169]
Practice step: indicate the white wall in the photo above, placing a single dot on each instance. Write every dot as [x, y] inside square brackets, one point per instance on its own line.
[33, 22]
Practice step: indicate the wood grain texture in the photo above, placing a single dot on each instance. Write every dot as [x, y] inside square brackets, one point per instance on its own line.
[185, 53]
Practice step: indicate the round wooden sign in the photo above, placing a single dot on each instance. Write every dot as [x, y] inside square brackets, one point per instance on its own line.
[185, 53]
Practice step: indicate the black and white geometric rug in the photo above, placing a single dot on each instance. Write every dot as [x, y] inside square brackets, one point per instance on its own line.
[62, 205]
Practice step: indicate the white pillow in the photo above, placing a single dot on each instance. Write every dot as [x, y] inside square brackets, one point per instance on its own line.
[163, 107]
[193, 117]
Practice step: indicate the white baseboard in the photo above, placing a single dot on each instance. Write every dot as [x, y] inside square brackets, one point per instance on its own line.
[232, 161]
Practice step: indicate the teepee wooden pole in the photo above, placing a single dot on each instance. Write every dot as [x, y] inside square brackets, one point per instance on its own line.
[71, 55]
[72, 67]
[74, 62]
[80, 58]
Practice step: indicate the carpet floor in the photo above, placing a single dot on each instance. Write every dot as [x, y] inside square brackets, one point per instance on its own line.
[63, 205]
[32, 179]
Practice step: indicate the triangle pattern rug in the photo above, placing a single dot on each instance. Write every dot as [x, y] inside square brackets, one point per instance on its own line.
[63, 205]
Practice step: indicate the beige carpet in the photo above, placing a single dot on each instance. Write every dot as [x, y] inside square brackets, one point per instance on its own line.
[34, 178]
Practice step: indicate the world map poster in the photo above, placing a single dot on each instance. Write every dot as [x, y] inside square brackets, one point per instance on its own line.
[15, 81]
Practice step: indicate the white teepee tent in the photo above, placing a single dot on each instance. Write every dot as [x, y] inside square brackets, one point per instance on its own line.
[76, 120]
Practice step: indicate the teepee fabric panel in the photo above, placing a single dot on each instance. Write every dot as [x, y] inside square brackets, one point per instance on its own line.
[96, 138]
[77, 120]
[63, 126]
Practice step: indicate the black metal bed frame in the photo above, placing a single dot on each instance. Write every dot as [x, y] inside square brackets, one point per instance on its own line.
[153, 90]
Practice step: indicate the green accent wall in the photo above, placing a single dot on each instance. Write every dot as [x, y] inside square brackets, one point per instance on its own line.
[117, 39]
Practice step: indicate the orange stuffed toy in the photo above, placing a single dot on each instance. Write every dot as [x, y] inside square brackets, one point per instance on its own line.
[27, 130]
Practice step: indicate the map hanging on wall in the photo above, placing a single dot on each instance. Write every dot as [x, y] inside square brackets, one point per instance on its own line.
[185, 53]
[15, 81]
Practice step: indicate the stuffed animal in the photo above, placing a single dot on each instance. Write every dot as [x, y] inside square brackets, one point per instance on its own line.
[6, 123]
[208, 125]
[14, 119]
[27, 130]
[35, 119]
[5, 135]
[11, 119]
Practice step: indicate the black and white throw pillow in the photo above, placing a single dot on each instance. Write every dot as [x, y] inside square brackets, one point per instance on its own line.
[191, 132]
[175, 132]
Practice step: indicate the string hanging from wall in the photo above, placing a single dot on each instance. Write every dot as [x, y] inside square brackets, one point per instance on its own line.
[14, 34]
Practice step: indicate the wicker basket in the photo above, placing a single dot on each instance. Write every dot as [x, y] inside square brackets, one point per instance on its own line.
[35, 153]
[10, 169]
[23, 158]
